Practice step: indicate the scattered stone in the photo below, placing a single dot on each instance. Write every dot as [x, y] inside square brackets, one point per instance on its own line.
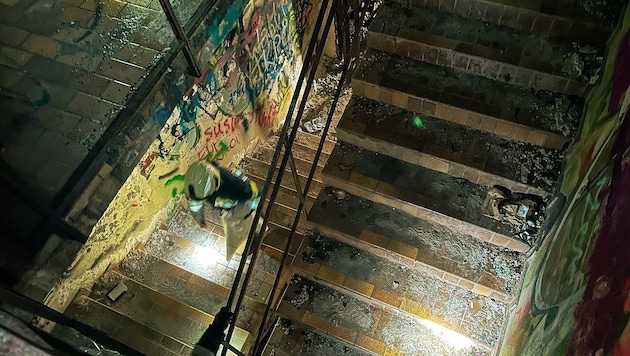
[340, 194]
[573, 65]
[315, 125]
[523, 211]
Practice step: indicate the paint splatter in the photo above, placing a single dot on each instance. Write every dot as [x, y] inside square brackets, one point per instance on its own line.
[417, 122]
[177, 178]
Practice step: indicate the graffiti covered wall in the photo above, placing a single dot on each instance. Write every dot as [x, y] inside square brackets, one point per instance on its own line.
[576, 293]
[252, 56]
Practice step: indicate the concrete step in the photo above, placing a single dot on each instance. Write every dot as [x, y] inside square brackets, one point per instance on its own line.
[276, 239]
[265, 155]
[430, 195]
[183, 225]
[174, 282]
[459, 259]
[496, 52]
[409, 290]
[365, 325]
[312, 141]
[153, 309]
[449, 147]
[304, 151]
[293, 338]
[540, 118]
[208, 262]
[566, 20]
[283, 218]
[257, 170]
[123, 329]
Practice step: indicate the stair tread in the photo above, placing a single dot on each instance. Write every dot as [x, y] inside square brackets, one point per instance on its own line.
[277, 237]
[123, 329]
[265, 155]
[257, 170]
[406, 289]
[293, 338]
[410, 187]
[312, 141]
[491, 44]
[540, 16]
[554, 113]
[152, 308]
[382, 331]
[174, 281]
[206, 261]
[523, 163]
[299, 150]
[399, 234]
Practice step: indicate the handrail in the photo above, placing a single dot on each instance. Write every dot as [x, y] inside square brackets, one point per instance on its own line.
[296, 220]
[250, 239]
[41, 310]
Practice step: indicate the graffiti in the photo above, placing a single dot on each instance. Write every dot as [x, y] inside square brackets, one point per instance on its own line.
[251, 60]
[246, 79]
[575, 299]
[215, 151]
[301, 18]
[264, 117]
[228, 126]
[146, 166]
[177, 178]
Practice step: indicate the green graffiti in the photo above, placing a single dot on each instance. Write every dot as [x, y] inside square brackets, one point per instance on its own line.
[177, 178]
[417, 122]
[223, 147]
[174, 192]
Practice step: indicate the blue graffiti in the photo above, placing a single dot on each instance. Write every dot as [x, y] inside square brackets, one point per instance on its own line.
[220, 29]
[188, 110]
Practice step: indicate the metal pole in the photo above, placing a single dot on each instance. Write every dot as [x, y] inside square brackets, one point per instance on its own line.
[31, 306]
[193, 67]
[296, 178]
[9, 178]
[272, 167]
[276, 156]
[301, 206]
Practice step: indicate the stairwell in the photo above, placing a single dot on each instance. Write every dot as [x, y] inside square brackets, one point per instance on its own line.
[450, 99]
[397, 254]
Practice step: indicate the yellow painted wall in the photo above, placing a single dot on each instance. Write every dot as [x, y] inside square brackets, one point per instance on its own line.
[244, 93]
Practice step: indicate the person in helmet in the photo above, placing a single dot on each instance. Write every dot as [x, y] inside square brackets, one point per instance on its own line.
[232, 192]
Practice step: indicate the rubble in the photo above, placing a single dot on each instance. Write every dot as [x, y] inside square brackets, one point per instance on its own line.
[525, 212]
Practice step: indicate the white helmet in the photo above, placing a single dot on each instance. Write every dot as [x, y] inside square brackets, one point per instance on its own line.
[201, 180]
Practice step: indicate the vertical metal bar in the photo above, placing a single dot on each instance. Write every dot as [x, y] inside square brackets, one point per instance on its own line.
[272, 167]
[226, 345]
[31, 306]
[193, 67]
[301, 207]
[9, 178]
[296, 178]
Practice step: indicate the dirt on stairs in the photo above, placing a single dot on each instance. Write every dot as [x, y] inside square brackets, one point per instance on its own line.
[175, 283]
[451, 99]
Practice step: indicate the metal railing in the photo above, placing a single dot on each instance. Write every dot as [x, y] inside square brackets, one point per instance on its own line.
[347, 29]
[362, 11]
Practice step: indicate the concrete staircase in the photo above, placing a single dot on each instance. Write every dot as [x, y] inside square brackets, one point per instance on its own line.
[179, 279]
[396, 255]
[175, 283]
[450, 99]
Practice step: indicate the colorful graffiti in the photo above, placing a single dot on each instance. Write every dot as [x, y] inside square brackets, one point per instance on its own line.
[250, 58]
[575, 298]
